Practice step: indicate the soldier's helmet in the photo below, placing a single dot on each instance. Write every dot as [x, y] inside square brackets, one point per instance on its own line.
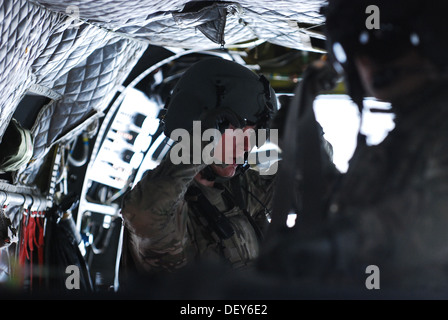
[402, 25]
[218, 83]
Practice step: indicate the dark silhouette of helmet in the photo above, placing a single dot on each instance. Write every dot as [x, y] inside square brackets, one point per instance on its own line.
[218, 83]
[404, 25]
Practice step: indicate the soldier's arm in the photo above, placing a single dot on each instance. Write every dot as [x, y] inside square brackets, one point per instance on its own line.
[156, 198]
[155, 216]
[155, 212]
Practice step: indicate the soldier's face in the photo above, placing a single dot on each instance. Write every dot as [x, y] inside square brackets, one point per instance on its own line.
[394, 81]
[231, 148]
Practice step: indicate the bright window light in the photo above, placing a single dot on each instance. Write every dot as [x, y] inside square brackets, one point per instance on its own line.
[339, 118]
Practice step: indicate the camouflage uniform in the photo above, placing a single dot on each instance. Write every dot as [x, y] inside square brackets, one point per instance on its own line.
[164, 232]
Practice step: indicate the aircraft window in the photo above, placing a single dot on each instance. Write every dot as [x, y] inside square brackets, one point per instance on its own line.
[339, 118]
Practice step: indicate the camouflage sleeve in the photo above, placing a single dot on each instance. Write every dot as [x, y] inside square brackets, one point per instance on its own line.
[155, 215]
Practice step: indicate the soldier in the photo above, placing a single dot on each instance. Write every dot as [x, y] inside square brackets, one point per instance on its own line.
[181, 213]
[390, 209]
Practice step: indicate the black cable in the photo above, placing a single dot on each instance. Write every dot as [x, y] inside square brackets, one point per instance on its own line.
[258, 200]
